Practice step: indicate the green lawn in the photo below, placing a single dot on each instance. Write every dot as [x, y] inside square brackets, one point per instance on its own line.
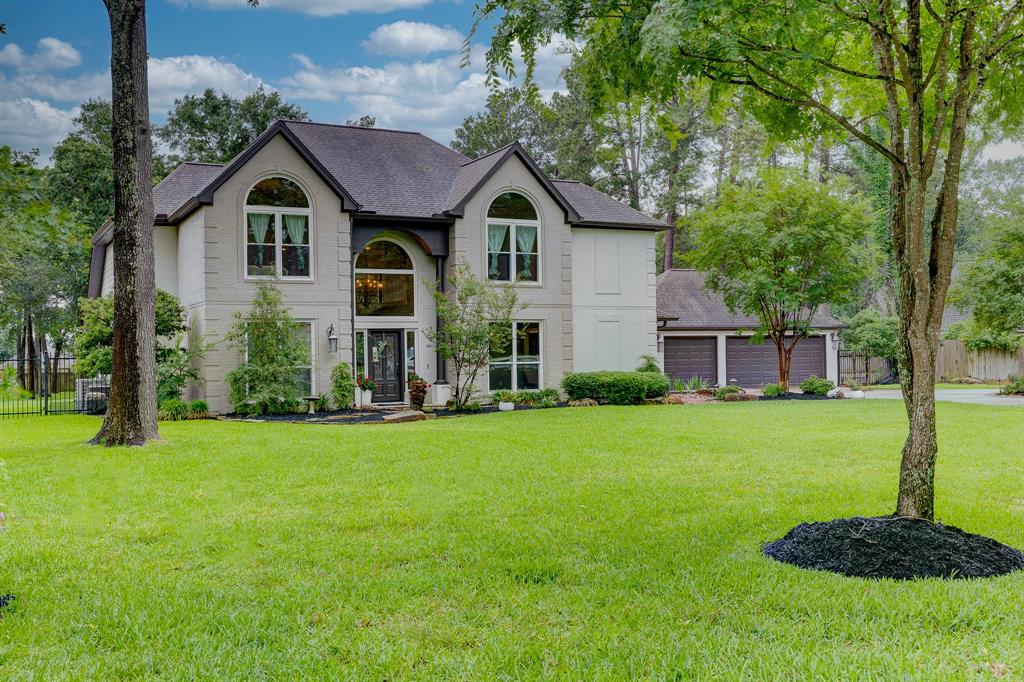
[603, 543]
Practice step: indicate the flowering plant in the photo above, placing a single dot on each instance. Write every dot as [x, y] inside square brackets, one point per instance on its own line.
[366, 383]
[417, 390]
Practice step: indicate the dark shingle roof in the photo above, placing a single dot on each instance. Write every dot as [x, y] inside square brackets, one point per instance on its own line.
[182, 184]
[597, 207]
[470, 174]
[388, 172]
[392, 173]
[681, 295]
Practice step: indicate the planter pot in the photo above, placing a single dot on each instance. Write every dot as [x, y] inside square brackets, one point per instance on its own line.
[506, 406]
[365, 397]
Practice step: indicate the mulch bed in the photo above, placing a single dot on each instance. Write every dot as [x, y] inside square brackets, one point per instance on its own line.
[795, 396]
[365, 416]
[893, 547]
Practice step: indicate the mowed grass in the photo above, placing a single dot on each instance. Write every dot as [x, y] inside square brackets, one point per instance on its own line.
[602, 543]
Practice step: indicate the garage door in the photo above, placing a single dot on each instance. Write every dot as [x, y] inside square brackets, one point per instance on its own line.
[688, 356]
[753, 366]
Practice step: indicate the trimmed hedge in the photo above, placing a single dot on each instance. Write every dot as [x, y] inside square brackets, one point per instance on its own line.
[617, 388]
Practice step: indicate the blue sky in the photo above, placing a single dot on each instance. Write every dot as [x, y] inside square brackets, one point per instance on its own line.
[395, 59]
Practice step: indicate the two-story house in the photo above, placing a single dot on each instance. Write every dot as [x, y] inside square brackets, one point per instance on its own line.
[356, 226]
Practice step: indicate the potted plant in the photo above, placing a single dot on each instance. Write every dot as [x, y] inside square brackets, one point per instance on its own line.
[366, 388]
[505, 400]
[418, 388]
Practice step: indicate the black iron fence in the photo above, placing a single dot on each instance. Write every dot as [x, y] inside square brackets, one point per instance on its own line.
[51, 385]
[865, 370]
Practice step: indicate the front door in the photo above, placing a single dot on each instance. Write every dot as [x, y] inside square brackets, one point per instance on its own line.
[386, 365]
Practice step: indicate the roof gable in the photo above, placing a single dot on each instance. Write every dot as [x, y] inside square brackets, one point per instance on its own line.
[475, 174]
[205, 196]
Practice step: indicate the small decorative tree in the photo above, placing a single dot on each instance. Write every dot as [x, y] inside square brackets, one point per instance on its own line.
[474, 315]
[270, 340]
[782, 247]
[343, 386]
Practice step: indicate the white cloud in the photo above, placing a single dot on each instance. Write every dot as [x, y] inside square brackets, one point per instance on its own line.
[1003, 150]
[318, 8]
[412, 38]
[31, 123]
[12, 55]
[30, 116]
[51, 55]
[430, 96]
[172, 77]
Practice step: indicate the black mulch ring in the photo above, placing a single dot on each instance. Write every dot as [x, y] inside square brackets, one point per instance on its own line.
[891, 547]
[795, 396]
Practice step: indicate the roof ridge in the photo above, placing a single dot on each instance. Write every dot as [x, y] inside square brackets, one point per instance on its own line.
[199, 163]
[491, 153]
[355, 127]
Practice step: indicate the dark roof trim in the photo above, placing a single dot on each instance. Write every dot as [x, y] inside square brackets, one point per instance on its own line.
[623, 226]
[99, 256]
[515, 149]
[180, 214]
[105, 234]
[348, 203]
[369, 217]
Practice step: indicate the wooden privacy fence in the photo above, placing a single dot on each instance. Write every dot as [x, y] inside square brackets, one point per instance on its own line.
[954, 361]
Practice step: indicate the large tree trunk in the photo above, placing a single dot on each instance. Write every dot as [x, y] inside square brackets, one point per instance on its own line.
[131, 413]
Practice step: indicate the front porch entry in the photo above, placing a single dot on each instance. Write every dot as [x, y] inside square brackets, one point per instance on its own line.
[386, 360]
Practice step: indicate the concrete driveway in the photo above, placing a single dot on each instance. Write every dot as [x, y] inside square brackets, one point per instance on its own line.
[975, 396]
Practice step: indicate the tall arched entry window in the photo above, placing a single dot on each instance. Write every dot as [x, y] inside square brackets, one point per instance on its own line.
[277, 230]
[513, 239]
[385, 281]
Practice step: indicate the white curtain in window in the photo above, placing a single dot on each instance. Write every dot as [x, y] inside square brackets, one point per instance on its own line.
[296, 226]
[260, 223]
[495, 238]
[526, 238]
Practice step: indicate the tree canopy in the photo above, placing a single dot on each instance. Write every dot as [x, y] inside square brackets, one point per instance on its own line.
[782, 248]
[215, 127]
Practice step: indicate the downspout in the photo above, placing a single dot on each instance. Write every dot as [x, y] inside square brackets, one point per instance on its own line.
[442, 369]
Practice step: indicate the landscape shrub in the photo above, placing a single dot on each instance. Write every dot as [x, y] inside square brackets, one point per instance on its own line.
[273, 347]
[198, 409]
[343, 386]
[816, 385]
[617, 388]
[648, 363]
[172, 410]
[723, 391]
[1015, 387]
[771, 390]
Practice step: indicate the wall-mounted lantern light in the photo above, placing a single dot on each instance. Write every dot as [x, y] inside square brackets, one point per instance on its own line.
[332, 339]
[836, 341]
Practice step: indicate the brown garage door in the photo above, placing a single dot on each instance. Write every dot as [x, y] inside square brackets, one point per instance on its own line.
[690, 356]
[753, 366]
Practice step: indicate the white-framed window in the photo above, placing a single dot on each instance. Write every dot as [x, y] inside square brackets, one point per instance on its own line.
[277, 231]
[517, 365]
[307, 377]
[385, 281]
[360, 354]
[513, 239]
[410, 352]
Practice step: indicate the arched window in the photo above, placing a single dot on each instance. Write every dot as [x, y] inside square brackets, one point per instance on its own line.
[277, 230]
[385, 281]
[513, 239]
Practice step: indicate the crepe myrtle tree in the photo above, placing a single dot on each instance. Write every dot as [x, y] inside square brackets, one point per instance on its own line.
[473, 316]
[928, 72]
[782, 248]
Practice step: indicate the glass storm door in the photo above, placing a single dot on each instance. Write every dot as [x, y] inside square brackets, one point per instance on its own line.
[386, 366]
